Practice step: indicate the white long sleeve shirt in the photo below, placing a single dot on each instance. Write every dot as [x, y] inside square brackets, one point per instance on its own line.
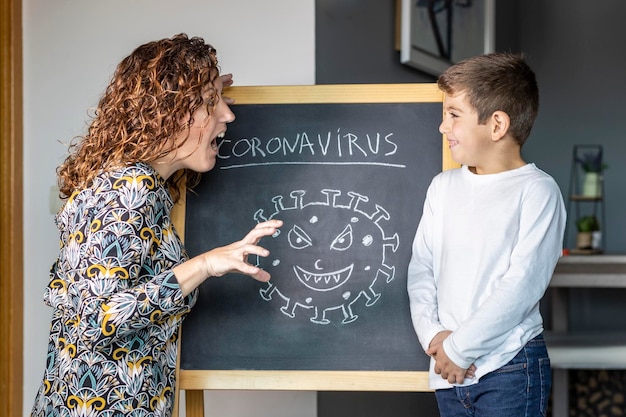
[483, 255]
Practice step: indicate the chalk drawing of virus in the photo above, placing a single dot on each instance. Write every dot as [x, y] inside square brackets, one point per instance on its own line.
[330, 252]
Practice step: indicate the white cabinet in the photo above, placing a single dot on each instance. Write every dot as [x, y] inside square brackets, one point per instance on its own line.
[575, 350]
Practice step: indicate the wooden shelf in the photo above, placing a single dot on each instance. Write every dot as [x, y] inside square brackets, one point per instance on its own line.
[599, 271]
[585, 158]
[585, 251]
[588, 350]
[584, 198]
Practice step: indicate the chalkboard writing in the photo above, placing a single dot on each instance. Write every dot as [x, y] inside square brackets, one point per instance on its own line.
[349, 181]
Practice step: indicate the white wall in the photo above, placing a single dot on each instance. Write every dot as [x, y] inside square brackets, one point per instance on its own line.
[71, 48]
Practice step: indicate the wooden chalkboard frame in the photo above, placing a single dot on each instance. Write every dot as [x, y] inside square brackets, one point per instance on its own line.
[194, 382]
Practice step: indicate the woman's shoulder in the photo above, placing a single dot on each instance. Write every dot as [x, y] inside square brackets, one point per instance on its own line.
[133, 179]
[127, 182]
[135, 173]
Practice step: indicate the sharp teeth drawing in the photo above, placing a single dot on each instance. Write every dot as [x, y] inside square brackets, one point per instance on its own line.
[323, 282]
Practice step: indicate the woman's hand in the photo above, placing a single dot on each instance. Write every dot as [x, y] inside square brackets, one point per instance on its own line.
[227, 81]
[225, 259]
[234, 257]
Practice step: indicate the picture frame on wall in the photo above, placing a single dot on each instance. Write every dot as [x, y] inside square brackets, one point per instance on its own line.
[438, 33]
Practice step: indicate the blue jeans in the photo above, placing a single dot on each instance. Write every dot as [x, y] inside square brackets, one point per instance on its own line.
[520, 388]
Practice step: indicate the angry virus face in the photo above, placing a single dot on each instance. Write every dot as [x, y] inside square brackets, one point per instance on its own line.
[329, 253]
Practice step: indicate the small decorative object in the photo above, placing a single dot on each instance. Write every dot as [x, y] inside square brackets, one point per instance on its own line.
[592, 166]
[591, 185]
[596, 240]
[588, 226]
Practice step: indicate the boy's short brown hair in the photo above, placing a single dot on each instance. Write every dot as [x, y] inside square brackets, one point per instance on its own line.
[497, 81]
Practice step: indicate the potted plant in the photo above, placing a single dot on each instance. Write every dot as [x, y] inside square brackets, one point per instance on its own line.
[587, 226]
[592, 165]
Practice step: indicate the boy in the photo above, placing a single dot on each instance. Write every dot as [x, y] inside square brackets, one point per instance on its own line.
[486, 247]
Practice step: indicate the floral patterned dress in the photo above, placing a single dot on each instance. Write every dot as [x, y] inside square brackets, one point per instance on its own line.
[117, 305]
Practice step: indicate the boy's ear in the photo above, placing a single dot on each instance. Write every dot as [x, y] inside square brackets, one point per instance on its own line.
[500, 125]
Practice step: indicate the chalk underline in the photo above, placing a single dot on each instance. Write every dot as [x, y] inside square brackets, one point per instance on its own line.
[314, 163]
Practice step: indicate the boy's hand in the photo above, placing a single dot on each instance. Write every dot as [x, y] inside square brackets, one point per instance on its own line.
[443, 365]
[471, 372]
[438, 339]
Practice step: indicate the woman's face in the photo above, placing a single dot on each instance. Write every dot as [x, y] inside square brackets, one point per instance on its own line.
[199, 149]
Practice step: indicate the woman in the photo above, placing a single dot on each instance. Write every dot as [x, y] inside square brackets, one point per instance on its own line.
[122, 283]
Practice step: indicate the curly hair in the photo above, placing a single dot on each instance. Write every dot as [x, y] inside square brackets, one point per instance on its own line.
[150, 100]
[497, 81]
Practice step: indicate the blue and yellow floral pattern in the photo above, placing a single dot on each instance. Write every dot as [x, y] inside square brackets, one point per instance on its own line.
[117, 306]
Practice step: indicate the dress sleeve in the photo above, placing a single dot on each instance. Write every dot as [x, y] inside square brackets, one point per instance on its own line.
[125, 283]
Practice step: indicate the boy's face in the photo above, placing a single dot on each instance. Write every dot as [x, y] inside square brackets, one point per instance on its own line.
[469, 142]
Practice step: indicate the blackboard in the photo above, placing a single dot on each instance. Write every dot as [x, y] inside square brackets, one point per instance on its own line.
[346, 168]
